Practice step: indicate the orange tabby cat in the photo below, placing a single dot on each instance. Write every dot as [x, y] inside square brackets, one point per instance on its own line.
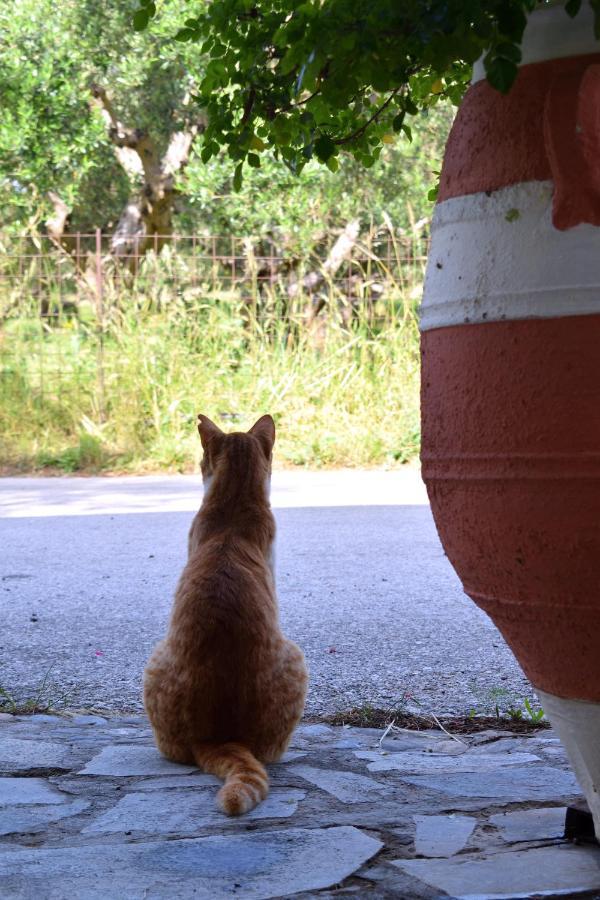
[225, 689]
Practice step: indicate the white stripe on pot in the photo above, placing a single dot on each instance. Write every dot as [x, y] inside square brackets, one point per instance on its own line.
[498, 256]
[578, 725]
[551, 33]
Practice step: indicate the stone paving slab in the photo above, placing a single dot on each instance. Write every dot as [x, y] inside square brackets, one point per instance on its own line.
[345, 786]
[442, 835]
[27, 820]
[543, 872]
[21, 756]
[27, 790]
[102, 815]
[126, 760]
[501, 785]
[257, 866]
[412, 763]
[197, 780]
[183, 812]
[531, 824]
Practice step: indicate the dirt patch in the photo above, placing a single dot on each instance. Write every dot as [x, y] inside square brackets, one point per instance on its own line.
[373, 717]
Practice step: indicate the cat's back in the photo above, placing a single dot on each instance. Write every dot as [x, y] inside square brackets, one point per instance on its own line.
[225, 588]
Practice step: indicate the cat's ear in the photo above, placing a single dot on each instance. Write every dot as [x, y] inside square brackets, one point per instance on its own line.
[208, 431]
[264, 430]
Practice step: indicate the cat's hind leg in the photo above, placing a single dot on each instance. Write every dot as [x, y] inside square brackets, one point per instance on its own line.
[286, 692]
[162, 701]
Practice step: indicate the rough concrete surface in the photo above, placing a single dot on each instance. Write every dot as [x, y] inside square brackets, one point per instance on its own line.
[88, 567]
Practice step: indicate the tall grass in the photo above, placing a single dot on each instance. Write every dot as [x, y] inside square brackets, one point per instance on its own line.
[121, 392]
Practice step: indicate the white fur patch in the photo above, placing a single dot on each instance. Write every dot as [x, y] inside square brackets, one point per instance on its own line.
[207, 481]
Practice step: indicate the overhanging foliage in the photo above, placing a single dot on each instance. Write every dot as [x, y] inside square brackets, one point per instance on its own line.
[307, 79]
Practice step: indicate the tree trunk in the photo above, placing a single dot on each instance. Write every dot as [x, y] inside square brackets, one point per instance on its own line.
[341, 251]
[148, 214]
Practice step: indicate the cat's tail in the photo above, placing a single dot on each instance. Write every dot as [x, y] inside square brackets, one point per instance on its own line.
[246, 779]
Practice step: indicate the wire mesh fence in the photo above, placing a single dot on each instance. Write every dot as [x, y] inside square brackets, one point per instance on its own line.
[65, 307]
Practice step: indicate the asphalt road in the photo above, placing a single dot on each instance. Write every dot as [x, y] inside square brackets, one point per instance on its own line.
[88, 567]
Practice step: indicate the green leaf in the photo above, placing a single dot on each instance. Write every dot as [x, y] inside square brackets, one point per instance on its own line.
[332, 164]
[456, 93]
[501, 73]
[254, 160]
[572, 7]
[408, 132]
[289, 61]
[317, 76]
[433, 193]
[324, 147]
[238, 177]
[140, 19]
[398, 122]
[184, 34]
[306, 9]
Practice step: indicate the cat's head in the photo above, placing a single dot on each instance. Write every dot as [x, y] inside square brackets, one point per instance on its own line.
[255, 446]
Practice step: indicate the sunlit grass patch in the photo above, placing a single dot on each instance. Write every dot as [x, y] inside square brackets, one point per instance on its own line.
[77, 395]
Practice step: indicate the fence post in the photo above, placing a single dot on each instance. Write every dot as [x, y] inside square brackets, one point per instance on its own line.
[100, 323]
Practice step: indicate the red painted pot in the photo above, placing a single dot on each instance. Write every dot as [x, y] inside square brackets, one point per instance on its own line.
[511, 369]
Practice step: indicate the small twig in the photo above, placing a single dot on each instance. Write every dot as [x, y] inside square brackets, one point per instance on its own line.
[386, 732]
[415, 732]
[63, 697]
[306, 99]
[445, 730]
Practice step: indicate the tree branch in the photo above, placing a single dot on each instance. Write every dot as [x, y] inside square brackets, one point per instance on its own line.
[134, 149]
[178, 152]
[374, 117]
[57, 223]
[340, 251]
[57, 228]
[248, 106]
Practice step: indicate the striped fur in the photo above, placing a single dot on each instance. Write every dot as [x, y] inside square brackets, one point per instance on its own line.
[246, 780]
[225, 688]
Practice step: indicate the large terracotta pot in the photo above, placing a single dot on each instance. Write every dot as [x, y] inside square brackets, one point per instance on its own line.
[511, 369]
